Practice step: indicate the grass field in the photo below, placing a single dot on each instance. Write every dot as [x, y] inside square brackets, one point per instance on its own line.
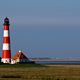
[39, 72]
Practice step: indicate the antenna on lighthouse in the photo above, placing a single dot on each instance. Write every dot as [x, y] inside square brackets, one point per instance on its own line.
[6, 50]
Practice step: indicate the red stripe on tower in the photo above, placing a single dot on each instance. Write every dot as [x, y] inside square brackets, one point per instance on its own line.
[6, 52]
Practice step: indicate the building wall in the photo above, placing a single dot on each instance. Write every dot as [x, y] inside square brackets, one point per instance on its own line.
[19, 61]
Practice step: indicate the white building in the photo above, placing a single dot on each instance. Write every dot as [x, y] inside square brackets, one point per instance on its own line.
[19, 57]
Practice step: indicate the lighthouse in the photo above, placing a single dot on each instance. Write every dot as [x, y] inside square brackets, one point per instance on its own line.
[6, 50]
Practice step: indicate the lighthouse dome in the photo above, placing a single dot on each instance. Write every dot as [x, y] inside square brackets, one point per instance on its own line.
[6, 21]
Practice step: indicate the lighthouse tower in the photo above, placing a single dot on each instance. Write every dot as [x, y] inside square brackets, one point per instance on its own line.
[6, 51]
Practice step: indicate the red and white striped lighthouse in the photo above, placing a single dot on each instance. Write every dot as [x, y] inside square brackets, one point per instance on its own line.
[6, 51]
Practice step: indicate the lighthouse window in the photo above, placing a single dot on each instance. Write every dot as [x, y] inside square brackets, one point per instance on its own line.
[6, 61]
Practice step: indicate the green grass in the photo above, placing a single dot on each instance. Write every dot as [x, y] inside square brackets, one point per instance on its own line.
[20, 65]
[39, 72]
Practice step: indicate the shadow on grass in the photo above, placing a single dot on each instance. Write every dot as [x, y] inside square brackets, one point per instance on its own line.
[10, 76]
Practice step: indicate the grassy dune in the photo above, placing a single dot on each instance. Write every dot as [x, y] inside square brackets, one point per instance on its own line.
[39, 72]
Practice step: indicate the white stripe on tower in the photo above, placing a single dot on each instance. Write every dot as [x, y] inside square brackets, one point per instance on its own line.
[6, 46]
[6, 33]
[6, 52]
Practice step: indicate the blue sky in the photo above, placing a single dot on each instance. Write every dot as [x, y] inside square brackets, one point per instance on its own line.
[43, 28]
[41, 11]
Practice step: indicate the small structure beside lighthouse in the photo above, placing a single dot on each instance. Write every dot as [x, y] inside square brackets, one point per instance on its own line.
[19, 57]
[6, 50]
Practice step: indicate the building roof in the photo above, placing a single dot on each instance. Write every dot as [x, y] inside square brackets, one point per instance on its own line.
[19, 55]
